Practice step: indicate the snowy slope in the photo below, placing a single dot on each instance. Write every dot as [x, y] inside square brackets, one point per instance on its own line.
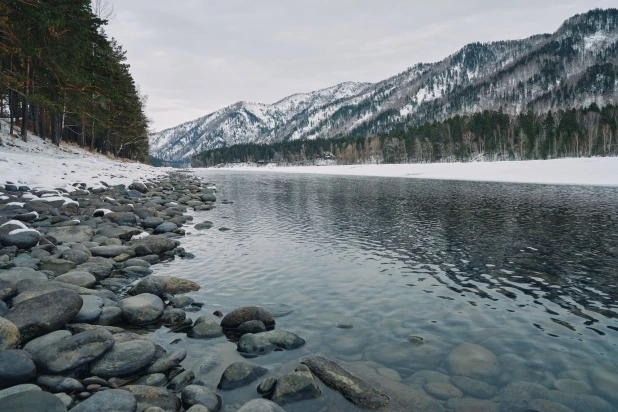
[575, 66]
[39, 164]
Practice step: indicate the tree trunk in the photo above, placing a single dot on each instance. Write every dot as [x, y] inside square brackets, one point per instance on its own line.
[24, 107]
[82, 134]
[42, 127]
[55, 129]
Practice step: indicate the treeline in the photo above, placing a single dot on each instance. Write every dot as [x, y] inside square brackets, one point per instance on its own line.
[63, 78]
[488, 135]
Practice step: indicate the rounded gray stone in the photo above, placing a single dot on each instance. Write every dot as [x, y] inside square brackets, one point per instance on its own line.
[46, 340]
[240, 374]
[25, 387]
[200, 395]
[108, 400]
[260, 405]
[16, 367]
[124, 359]
[91, 309]
[165, 227]
[205, 328]
[141, 309]
[77, 278]
[32, 401]
[9, 334]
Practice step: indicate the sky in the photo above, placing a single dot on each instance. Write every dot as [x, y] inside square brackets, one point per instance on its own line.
[193, 57]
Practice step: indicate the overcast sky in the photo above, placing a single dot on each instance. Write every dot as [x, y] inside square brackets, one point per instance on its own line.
[192, 57]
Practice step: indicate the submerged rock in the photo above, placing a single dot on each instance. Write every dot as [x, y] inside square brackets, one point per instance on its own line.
[241, 315]
[240, 374]
[294, 387]
[159, 285]
[205, 328]
[473, 361]
[351, 387]
[200, 395]
[266, 342]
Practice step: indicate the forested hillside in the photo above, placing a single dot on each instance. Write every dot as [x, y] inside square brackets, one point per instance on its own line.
[65, 79]
[488, 135]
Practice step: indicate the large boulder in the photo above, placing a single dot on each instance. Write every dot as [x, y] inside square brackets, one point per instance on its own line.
[351, 387]
[108, 400]
[241, 315]
[16, 367]
[70, 353]
[150, 396]
[9, 334]
[141, 309]
[68, 234]
[32, 401]
[45, 313]
[473, 361]
[124, 359]
[240, 374]
[159, 285]
[266, 342]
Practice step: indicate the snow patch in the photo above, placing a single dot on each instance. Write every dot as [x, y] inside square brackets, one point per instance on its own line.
[17, 231]
[15, 223]
[140, 236]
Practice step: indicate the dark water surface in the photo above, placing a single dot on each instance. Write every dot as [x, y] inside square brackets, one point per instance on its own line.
[529, 272]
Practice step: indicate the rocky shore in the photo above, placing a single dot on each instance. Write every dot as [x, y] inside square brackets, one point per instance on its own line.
[76, 284]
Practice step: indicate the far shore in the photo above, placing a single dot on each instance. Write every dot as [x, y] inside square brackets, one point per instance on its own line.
[595, 171]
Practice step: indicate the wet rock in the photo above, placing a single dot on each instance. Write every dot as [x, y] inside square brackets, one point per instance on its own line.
[139, 186]
[124, 359]
[22, 238]
[252, 326]
[141, 309]
[150, 396]
[46, 340]
[472, 405]
[241, 315]
[606, 384]
[181, 381]
[205, 328]
[159, 285]
[266, 342]
[155, 379]
[76, 256]
[91, 309]
[260, 405]
[26, 387]
[32, 401]
[294, 387]
[181, 301]
[17, 275]
[351, 387]
[474, 387]
[78, 278]
[203, 225]
[473, 361]
[9, 334]
[58, 266]
[240, 374]
[45, 313]
[199, 395]
[7, 289]
[209, 362]
[267, 386]
[110, 315]
[573, 386]
[165, 227]
[390, 374]
[443, 391]
[547, 406]
[516, 395]
[154, 245]
[578, 402]
[404, 354]
[70, 353]
[209, 197]
[109, 400]
[168, 362]
[112, 251]
[57, 384]
[16, 367]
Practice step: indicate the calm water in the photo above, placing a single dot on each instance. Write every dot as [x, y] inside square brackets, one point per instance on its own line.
[527, 271]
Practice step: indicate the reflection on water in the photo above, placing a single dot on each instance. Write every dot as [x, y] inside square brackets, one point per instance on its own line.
[527, 272]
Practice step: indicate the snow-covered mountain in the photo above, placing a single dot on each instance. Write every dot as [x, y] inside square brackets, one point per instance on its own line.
[575, 66]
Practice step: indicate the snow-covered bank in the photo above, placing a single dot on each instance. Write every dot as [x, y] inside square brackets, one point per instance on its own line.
[40, 164]
[601, 171]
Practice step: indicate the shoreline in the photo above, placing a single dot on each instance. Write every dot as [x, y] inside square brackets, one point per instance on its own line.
[595, 171]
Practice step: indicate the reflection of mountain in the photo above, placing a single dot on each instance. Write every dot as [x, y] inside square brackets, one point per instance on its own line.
[572, 67]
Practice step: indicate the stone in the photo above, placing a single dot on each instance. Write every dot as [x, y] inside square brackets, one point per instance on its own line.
[32, 401]
[139, 186]
[112, 251]
[70, 353]
[124, 359]
[473, 361]
[77, 278]
[203, 225]
[68, 234]
[266, 342]
[209, 197]
[66, 399]
[267, 386]
[150, 396]
[181, 381]
[208, 363]
[141, 309]
[252, 326]
[573, 386]
[241, 315]
[260, 405]
[22, 238]
[547, 406]
[110, 315]
[443, 391]
[58, 266]
[294, 387]
[473, 405]
[168, 362]
[9, 334]
[17, 275]
[7, 289]
[76, 256]
[200, 395]
[46, 340]
[154, 379]
[351, 387]
[205, 328]
[155, 245]
[25, 387]
[605, 383]
[173, 317]
[165, 227]
[57, 384]
[91, 309]
[109, 400]
[389, 373]
[152, 222]
[475, 388]
[159, 285]
[240, 374]
[16, 367]
[45, 313]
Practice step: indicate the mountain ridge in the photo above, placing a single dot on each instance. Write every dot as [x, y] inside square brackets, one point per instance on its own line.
[576, 65]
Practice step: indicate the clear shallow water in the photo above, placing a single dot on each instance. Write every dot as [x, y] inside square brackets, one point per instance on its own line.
[527, 271]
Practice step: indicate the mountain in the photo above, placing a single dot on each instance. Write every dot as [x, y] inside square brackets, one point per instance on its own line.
[575, 66]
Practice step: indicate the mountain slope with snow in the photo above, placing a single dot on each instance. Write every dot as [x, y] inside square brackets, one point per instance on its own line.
[575, 66]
